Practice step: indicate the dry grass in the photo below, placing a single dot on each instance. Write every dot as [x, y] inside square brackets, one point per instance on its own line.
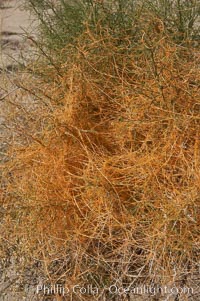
[109, 186]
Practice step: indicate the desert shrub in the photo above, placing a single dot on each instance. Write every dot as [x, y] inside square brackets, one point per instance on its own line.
[109, 186]
[62, 21]
[180, 17]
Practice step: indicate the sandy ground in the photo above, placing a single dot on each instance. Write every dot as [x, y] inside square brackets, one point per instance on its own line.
[15, 25]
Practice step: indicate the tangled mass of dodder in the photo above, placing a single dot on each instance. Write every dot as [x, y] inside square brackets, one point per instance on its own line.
[109, 181]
